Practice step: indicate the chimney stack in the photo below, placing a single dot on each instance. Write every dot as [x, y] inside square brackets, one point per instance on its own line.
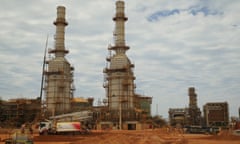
[60, 32]
[59, 74]
[119, 27]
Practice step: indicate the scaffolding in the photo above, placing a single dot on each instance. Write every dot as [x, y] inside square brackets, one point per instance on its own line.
[59, 87]
[123, 104]
[16, 112]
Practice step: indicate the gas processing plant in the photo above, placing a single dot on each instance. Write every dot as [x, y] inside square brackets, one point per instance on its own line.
[123, 108]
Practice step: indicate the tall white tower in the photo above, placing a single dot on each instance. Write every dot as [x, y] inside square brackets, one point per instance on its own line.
[59, 75]
[119, 77]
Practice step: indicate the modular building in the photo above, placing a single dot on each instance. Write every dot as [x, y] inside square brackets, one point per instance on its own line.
[216, 114]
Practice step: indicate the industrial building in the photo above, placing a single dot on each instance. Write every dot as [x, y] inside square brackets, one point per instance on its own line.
[15, 112]
[81, 104]
[124, 109]
[216, 114]
[186, 116]
[59, 73]
[178, 116]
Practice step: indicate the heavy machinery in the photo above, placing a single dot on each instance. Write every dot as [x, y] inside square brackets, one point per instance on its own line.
[73, 123]
[19, 138]
[49, 127]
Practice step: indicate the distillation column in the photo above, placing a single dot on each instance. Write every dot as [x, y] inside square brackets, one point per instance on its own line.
[59, 75]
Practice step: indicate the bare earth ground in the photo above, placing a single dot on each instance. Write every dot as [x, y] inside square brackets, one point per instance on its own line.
[157, 136]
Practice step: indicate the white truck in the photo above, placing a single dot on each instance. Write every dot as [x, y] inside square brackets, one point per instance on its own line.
[49, 127]
[65, 123]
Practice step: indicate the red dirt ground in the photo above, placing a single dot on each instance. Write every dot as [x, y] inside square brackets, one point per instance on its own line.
[157, 136]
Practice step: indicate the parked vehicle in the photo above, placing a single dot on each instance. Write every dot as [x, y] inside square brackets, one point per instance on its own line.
[46, 128]
[202, 130]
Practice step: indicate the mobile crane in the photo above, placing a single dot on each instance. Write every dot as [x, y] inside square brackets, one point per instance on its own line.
[66, 123]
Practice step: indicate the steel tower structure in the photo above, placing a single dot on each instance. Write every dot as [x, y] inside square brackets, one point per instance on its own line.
[193, 110]
[119, 76]
[59, 74]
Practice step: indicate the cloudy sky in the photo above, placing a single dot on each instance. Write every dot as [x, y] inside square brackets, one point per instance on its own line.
[174, 44]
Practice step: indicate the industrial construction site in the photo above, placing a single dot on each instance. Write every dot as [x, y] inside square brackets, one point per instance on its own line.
[57, 116]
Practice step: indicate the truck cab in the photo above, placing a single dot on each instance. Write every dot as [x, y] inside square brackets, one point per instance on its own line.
[44, 128]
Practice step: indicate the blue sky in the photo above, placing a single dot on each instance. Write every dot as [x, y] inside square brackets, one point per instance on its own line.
[173, 44]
